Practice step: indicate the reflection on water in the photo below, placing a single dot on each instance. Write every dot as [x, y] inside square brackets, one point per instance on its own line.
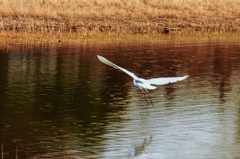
[60, 101]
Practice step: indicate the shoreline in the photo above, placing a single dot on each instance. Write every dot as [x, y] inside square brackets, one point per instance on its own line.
[74, 20]
[14, 38]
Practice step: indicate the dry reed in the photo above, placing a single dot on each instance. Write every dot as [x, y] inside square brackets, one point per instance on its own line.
[119, 16]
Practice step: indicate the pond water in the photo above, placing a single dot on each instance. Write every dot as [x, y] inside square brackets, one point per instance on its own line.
[60, 101]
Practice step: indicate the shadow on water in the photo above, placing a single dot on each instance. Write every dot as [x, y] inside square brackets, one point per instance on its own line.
[140, 149]
[59, 100]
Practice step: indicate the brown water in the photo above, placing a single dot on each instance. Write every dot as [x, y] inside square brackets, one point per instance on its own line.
[59, 101]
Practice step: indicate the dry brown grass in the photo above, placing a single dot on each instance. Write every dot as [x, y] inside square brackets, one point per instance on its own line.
[119, 16]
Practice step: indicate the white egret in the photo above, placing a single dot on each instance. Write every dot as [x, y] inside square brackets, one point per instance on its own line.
[143, 84]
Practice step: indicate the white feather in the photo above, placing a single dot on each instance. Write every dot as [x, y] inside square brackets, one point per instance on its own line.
[166, 80]
[104, 60]
[146, 84]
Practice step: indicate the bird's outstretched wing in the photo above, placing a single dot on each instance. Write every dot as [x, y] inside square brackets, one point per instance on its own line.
[104, 60]
[165, 80]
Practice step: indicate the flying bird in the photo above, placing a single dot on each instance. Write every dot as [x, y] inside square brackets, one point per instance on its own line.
[144, 84]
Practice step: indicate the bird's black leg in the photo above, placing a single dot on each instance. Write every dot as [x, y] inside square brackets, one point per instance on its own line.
[150, 98]
[146, 92]
[145, 98]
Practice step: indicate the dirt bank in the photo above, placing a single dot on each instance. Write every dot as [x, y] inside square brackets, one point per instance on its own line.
[54, 17]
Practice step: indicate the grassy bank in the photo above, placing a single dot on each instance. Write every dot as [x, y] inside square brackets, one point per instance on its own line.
[85, 17]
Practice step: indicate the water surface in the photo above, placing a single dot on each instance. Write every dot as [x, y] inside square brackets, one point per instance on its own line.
[58, 100]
